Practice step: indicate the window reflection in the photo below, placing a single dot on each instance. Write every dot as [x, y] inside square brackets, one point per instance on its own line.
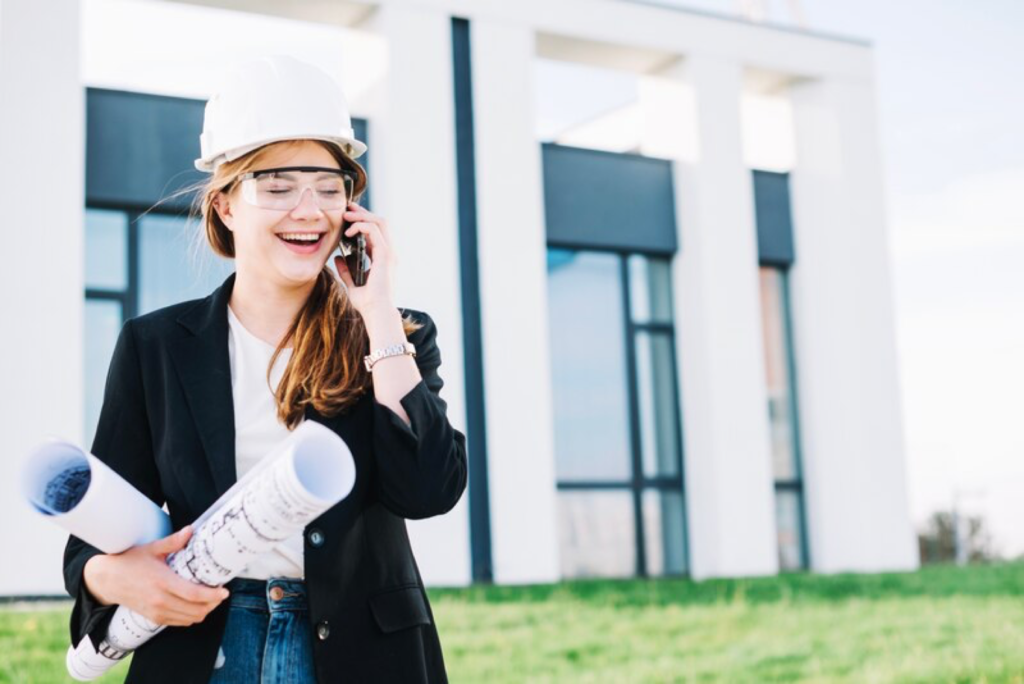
[588, 367]
[597, 534]
[610, 470]
[777, 367]
[102, 325]
[658, 412]
[124, 281]
[106, 249]
[171, 269]
[664, 536]
[650, 286]
[783, 419]
[787, 516]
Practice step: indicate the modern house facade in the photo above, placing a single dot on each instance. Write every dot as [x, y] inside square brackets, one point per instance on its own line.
[667, 326]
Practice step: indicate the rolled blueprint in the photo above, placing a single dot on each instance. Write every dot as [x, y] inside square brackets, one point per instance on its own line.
[83, 495]
[312, 471]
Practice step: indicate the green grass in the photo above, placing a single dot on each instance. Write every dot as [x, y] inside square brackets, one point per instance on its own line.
[33, 642]
[941, 624]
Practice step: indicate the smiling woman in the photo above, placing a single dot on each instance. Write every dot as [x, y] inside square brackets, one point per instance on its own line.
[326, 332]
[199, 393]
[279, 189]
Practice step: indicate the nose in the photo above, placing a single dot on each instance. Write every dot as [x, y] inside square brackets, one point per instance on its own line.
[306, 207]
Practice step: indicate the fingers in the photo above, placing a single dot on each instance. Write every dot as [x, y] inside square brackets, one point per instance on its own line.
[345, 274]
[342, 267]
[192, 592]
[173, 615]
[172, 542]
[376, 245]
[180, 602]
[357, 213]
[373, 226]
[175, 618]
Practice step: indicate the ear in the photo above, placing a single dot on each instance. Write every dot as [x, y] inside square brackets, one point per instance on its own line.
[222, 205]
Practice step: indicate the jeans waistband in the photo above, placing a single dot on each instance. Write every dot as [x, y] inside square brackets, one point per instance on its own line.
[269, 595]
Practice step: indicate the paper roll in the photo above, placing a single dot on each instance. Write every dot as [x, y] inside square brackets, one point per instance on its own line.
[83, 495]
[312, 471]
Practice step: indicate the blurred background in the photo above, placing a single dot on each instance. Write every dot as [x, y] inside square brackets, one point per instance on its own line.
[725, 288]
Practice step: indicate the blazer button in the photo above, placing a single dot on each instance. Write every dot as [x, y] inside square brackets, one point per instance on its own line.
[316, 538]
[323, 630]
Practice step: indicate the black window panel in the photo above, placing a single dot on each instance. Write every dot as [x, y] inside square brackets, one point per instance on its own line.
[603, 200]
[774, 218]
[359, 127]
[139, 147]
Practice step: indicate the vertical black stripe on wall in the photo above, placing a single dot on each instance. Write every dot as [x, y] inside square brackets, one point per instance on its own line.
[465, 165]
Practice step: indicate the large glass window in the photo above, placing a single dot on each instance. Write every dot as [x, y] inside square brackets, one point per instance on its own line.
[617, 432]
[591, 402]
[782, 412]
[134, 265]
[106, 249]
[175, 264]
[103, 320]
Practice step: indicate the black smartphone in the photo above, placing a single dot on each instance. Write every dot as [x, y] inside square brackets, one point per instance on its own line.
[354, 251]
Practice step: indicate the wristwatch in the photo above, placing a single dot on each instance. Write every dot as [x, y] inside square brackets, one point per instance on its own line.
[384, 352]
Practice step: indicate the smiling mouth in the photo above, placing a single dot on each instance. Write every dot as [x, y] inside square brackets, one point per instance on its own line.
[301, 239]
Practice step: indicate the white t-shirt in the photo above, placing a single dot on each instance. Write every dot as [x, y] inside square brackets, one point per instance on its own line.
[258, 432]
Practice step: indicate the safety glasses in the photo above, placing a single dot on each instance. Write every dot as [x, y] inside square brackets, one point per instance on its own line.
[281, 189]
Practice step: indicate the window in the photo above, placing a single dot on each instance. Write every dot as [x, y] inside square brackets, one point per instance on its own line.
[782, 412]
[133, 266]
[618, 440]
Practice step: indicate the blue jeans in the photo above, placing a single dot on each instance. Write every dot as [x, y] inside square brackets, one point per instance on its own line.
[267, 639]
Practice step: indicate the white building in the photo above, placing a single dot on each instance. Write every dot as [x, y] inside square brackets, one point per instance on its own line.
[653, 240]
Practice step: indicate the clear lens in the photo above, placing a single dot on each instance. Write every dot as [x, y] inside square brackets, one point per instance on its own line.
[283, 192]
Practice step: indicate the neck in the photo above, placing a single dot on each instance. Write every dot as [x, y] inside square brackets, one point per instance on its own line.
[266, 309]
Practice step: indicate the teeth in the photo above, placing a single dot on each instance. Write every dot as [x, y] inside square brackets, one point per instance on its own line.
[309, 237]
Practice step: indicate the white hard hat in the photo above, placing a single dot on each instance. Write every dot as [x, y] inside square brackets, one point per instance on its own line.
[271, 99]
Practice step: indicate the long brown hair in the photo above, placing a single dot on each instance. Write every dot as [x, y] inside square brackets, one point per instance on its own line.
[328, 336]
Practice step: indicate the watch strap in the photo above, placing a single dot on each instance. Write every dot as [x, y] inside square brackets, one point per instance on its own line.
[385, 352]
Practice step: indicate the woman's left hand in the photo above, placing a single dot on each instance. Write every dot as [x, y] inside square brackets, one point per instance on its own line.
[376, 293]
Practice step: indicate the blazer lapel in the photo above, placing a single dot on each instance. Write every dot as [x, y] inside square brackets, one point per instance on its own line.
[204, 367]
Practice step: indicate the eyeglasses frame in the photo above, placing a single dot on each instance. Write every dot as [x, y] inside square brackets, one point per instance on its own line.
[348, 175]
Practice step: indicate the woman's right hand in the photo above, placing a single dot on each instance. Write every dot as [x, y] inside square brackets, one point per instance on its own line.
[141, 580]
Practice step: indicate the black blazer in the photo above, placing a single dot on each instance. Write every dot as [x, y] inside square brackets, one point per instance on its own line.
[167, 426]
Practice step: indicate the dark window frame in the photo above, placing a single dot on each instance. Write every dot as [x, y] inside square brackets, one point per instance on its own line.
[129, 296]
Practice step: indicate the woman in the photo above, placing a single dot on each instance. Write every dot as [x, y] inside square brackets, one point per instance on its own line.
[198, 392]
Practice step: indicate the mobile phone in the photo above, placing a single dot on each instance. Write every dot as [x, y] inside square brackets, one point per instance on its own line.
[354, 251]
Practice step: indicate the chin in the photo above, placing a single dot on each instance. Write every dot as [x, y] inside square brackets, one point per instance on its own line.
[302, 275]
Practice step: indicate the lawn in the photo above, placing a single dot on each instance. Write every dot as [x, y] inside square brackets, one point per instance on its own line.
[942, 624]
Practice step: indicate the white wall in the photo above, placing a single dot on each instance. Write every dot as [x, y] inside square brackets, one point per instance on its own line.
[727, 456]
[42, 186]
[513, 299]
[844, 336]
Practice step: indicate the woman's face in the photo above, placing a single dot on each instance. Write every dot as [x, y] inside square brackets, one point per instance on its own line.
[259, 249]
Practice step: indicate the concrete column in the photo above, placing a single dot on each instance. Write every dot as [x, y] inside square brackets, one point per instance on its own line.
[844, 336]
[42, 192]
[729, 490]
[513, 284]
[411, 135]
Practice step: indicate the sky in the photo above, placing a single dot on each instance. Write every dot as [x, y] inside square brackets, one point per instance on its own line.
[950, 108]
